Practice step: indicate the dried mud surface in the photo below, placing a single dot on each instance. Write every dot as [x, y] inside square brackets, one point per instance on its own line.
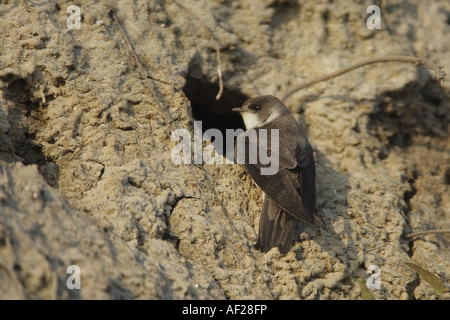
[86, 176]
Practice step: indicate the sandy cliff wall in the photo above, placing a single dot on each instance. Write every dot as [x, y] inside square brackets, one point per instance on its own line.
[86, 176]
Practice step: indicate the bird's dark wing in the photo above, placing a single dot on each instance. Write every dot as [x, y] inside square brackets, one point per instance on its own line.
[304, 154]
[286, 187]
[286, 160]
[280, 189]
[290, 190]
[307, 172]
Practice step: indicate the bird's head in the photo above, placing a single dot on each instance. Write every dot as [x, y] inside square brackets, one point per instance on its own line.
[261, 110]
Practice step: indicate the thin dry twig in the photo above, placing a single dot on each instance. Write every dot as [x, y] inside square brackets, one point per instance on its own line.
[421, 233]
[148, 84]
[214, 41]
[439, 73]
[150, 87]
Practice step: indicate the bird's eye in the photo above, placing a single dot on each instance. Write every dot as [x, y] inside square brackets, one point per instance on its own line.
[255, 107]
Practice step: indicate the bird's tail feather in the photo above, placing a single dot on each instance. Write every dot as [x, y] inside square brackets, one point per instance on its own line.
[276, 228]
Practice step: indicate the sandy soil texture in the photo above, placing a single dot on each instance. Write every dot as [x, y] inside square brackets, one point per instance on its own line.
[86, 176]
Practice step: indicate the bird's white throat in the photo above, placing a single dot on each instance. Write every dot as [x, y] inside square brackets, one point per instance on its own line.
[252, 120]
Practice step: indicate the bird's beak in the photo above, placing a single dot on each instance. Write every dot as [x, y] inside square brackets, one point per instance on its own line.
[238, 109]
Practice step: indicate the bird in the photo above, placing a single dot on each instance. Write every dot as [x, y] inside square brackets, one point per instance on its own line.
[289, 194]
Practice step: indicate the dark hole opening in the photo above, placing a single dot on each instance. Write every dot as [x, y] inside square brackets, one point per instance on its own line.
[447, 176]
[214, 113]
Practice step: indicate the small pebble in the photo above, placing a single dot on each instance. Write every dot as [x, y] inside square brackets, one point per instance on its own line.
[89, 18]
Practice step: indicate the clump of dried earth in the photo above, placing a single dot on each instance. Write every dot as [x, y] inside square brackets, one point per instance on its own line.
[86, 176]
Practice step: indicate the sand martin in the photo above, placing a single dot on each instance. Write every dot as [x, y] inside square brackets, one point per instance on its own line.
[291, 192]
